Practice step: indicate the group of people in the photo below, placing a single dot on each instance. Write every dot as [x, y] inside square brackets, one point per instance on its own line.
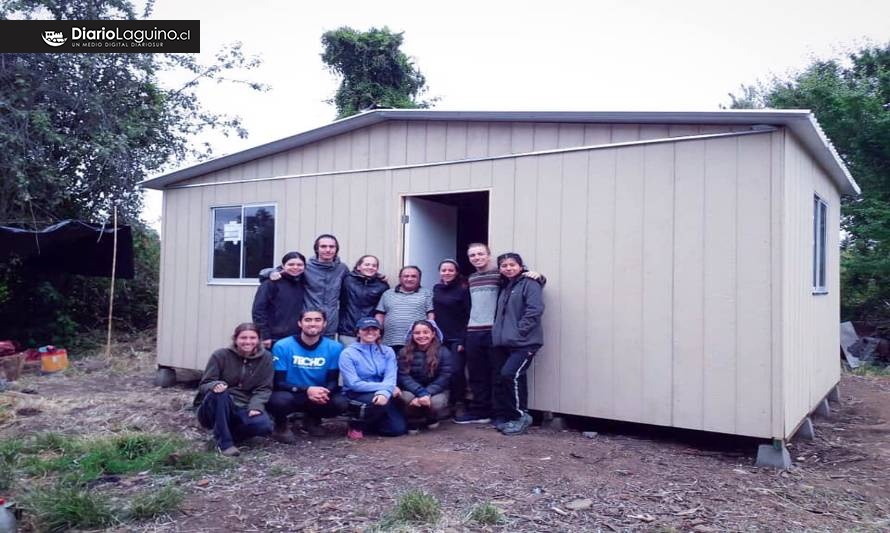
[326, 341]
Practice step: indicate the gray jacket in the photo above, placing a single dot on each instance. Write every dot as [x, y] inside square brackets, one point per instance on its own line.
[323, 282]
[517, 321]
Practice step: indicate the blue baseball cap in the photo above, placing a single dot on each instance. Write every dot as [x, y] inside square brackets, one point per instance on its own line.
[367, 322]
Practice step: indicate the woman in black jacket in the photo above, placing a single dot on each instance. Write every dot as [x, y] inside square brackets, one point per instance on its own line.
[517, 334]
[451, 305]
[278, 305]
[425, 371]
[359, 294]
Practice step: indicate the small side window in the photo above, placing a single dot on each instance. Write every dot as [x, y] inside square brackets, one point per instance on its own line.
[243, 241]
[820, 242]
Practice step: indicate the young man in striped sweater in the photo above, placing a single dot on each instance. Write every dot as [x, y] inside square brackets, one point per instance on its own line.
[484, 287]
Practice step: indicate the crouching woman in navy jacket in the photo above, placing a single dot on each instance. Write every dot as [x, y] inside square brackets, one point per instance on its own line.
[369, 373]
[517, 334]
[234, 390]
[426, 368]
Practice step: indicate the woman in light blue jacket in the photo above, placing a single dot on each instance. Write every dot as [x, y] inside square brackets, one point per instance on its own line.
[369, 372]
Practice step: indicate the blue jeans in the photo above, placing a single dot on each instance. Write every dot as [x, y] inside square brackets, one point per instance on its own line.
[387, 420]
[230, 423]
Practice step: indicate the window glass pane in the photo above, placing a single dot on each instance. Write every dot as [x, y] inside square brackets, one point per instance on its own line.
[815, 241]
[259, 239]
[823, 238]
[227, 242]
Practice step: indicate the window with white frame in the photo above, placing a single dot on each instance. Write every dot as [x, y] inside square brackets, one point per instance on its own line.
[820, 241]
[243, 241]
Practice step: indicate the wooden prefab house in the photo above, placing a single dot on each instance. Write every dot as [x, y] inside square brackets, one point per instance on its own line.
[692, 257]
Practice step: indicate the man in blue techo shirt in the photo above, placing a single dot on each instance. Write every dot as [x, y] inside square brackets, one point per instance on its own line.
[306, 376]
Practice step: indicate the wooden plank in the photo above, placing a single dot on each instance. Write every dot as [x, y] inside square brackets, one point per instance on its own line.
[457, 177]
[571, 282]
[325, 199]
[192, 274]
[397, 143]
[343, 145]
[656, 327]
[357, 216]
[570, 135]
[500, 138]
[377, 222]
[341, 214]
[720, 394]
[308, 216]
[477, 138]
[628, 274]
[178, 239]
[436, 135]
[602, 371]
[295, 161]
[625, 132]
[326, 154]
[310, 157]
[545, 256]
[502, 200]
[378, 146]
[683, 130]
[777, 296]
[361, 149]
[522, 137]
[653, 131]
[596, 134]
[753, 287]
[546, 136]
[167, 281]
[204, 339]
[416, 148]
[688, 266]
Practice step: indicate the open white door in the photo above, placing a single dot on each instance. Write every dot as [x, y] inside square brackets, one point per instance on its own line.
[430, 236]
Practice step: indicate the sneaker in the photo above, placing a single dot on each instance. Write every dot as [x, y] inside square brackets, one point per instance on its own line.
[499, 422]
[517, 427]
[414, 431]
[469, 418]
[355, 434]
[433, 425]
[283, 434]
[231, 451]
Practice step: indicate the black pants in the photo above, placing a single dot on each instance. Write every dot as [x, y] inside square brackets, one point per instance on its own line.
[510, 395]
[230, 423]
[283, 403]
[387, 420]
[479, 365]
[459, 377]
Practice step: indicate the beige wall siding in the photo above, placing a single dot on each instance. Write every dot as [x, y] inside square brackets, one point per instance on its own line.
[810, 321]
[399, 142]
[661, 259]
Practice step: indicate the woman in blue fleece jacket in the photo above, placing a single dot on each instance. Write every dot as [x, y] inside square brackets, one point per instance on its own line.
[369, 372]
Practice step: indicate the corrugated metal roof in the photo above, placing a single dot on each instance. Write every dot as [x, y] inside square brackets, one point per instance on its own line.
[800, 121]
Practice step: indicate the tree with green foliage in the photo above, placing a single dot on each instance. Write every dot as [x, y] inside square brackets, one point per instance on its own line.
[851, 99]
[375, 72]
[78, 132]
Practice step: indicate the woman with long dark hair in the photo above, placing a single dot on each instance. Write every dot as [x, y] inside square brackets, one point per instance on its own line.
[451, 305]
[278, 303]
[425, 373]
[517, 334]
[234, 390]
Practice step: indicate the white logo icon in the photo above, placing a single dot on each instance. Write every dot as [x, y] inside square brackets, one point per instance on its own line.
[54, 38]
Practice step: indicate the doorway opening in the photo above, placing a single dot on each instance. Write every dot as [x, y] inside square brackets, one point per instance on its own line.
[440, 226]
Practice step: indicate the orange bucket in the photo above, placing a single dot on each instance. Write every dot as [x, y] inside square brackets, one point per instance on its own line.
[54, 360]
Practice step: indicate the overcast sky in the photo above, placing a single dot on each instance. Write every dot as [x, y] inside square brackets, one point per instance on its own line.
[523, 55]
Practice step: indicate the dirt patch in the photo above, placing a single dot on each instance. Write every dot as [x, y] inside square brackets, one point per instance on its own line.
[634, 478]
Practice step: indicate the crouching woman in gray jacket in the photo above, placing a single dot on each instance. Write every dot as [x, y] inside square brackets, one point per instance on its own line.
[516, 336]
[234, 390]
[426, 368]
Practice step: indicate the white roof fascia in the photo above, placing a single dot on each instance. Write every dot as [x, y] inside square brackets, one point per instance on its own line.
[800, 121]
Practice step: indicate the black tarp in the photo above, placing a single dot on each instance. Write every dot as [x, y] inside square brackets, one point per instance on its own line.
[71, 246]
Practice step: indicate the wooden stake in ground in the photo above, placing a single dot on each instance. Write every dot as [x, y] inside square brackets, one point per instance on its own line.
[111, 292]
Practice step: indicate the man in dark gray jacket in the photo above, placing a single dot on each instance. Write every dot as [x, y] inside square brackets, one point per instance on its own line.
[324, 278]
[516, 336]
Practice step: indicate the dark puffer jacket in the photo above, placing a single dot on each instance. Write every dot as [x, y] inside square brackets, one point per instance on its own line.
[418, 382]
[277, 306]
[358, 299]
[517, 321]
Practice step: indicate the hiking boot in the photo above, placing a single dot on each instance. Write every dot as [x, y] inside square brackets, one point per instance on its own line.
[283, 434]
[312, 426]
[231, 451]
[355, 434]
[518, 426]
[470, 418]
